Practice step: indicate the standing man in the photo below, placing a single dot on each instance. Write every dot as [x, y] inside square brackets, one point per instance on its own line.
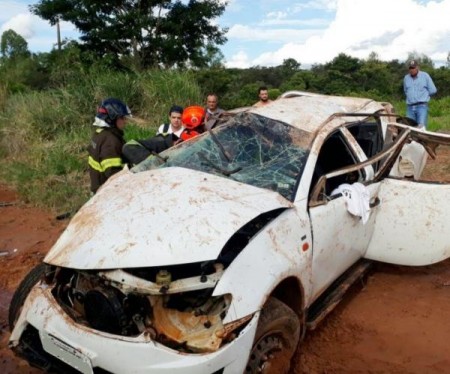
[175, 126]
[105, 150]
[418, 87]
[212, 110]
[263, 95]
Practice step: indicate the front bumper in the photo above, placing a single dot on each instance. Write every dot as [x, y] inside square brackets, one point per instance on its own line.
[89, 350]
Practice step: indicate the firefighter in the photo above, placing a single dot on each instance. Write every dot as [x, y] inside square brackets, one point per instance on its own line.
[105, 150]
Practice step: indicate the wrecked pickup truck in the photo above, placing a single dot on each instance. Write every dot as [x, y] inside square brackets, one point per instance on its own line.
[218, 254]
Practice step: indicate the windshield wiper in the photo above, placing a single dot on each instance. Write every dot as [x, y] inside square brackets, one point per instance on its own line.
[219, 144]
[225, 172]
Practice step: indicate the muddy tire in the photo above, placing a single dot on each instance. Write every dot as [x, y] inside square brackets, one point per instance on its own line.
[276, 339]
[22, 292]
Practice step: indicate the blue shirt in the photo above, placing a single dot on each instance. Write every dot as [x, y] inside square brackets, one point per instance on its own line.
[418, 89]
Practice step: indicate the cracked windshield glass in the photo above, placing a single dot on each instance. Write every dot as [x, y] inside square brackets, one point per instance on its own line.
[247, 148]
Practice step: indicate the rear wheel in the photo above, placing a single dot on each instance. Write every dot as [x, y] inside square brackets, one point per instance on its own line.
[22, 292]
[276, 339]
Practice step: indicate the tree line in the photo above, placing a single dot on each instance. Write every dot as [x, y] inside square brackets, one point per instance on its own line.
[22, 71]
[135, 36]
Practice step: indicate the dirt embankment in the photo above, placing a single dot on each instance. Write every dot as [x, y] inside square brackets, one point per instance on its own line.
[396, 323]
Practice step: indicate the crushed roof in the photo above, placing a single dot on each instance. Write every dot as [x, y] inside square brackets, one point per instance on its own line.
[308, 113]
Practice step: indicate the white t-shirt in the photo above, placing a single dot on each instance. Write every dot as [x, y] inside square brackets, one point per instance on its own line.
[169, 130]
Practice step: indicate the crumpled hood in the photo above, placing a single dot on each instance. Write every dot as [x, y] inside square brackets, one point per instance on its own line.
[159, 217]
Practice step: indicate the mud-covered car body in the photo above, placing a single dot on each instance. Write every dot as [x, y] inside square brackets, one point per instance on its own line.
[168, 267]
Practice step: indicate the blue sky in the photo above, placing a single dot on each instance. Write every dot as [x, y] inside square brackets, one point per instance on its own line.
[265, 32]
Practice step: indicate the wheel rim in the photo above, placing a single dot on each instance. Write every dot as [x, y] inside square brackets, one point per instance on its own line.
[267, 356]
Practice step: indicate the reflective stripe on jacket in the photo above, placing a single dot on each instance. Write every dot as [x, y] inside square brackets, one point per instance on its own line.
[105, 164]
[105, 155]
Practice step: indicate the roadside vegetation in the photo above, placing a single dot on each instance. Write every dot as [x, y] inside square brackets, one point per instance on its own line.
[48, 102]
[44, 134]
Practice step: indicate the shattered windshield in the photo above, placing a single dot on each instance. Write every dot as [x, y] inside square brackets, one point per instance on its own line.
[248, 148]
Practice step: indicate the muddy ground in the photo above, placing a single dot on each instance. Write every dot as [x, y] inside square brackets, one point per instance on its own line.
[397, 322]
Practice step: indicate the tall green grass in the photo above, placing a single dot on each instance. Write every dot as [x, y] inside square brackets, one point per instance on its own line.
[439, 114]
[44, 135]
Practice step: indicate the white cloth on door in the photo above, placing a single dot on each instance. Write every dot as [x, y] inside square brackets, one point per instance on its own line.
[357, 198]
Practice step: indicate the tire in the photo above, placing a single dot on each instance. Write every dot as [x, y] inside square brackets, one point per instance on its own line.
[276, 339]
[22, 292]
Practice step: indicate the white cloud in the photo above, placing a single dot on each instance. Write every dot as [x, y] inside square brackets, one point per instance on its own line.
[276, 15]
[327, 5]
[256, 34]
[22, 24]
[239, 60]
[392, 29]
[311, 22]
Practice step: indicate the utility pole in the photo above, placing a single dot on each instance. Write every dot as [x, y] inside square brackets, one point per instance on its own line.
[58, 34]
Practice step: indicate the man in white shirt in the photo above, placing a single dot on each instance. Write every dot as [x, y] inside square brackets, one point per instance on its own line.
[167, 135]
[175, 126]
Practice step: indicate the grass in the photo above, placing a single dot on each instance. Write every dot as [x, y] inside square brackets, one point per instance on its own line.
[44, 135]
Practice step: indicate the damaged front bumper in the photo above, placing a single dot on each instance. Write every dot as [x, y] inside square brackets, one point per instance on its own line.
[57, 336]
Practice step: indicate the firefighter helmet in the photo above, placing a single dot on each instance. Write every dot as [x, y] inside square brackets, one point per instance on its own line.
[111, 109]
[193, 116]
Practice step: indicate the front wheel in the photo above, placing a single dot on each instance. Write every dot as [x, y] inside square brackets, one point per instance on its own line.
[276, 339]
[22, 292]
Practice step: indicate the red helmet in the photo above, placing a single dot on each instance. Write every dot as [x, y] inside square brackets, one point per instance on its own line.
[193, 117]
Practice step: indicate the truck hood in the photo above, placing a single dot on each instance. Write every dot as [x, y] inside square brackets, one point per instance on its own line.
[159, 217]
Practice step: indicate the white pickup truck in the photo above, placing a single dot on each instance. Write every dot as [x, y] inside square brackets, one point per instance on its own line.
[218, 254]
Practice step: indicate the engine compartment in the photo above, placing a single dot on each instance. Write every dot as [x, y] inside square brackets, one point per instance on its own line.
[188, 321]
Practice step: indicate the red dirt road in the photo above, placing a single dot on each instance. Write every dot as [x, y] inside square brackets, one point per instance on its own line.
[397, 323]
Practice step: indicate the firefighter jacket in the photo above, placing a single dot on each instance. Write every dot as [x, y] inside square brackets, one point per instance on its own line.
[105, 155]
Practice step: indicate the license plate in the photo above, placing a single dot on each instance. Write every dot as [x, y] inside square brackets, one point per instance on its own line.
[66, 353]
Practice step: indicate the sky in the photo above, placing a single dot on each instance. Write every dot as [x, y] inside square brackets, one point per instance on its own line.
[265, 32]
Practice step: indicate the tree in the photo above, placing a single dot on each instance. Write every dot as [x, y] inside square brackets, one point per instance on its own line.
[339, 76]
[287, 70]
[13, 45]
[373, 57]
[374, 77]
[214, 56]
[291, 65]
[296, 82]
[154, 32]
[344, 64]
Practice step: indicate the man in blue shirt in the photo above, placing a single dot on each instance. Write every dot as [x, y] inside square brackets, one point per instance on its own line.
[418, 87]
